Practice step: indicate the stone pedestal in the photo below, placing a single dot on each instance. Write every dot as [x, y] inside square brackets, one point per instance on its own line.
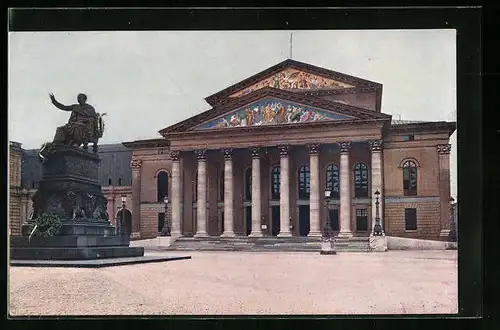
[327, 247]
[378, 243]
[70, 189]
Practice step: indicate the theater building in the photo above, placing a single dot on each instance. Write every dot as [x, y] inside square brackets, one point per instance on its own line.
[281, 152]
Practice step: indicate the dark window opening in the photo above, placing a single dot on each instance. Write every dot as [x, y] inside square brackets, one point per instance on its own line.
[119, 181]
[109, 182]
[162, 186]
[360, 180]
[361, 219]
[221, 186]
[304, 182]
[275, 182]
[332, 180]
[408, 138]
[410, 178]
[411, 219]
[33, 184]
[248, 184]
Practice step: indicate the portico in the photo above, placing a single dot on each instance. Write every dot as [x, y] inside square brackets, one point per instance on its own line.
[276, 188]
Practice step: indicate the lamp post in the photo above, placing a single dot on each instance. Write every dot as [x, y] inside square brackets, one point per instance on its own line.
[327, 242]
[122, 218]
[377, 229]
[165, 231]
[453, 230]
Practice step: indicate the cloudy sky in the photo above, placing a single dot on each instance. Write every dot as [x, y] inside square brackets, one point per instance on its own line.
[148, 80]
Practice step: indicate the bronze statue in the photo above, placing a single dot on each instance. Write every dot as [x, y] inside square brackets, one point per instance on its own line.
[84, 125]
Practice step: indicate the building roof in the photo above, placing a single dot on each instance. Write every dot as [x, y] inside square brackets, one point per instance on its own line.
[115, 165]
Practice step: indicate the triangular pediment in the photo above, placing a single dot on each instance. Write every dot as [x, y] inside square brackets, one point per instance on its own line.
[271, 111]
[269, 106]
[293, 79]
[294, 76]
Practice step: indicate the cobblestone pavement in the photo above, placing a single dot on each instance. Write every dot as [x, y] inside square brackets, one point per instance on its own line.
[399, 282]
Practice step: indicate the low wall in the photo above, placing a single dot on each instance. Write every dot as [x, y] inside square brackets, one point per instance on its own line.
[153, 243]
[400, 243]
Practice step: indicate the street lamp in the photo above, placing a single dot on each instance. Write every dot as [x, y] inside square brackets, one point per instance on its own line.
[377, 229]
[120, 222]
[327, 246]
[165, 230]
[453, 230]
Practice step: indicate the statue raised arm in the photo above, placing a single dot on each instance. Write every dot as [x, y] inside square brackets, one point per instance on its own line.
[60, 105]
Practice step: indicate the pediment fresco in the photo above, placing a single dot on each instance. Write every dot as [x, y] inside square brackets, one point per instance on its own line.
[271, 111]
[293, 79]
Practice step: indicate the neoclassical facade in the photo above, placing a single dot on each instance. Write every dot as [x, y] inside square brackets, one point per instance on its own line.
[283, 151]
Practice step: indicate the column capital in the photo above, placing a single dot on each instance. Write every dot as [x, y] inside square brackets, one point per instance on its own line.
[175, 155]
[443, 149]
[313, 148]
[136, 164]
[228, 153]
[344, 146]
[201, 154]
[375, 145]
[255, 152]
[284, 151]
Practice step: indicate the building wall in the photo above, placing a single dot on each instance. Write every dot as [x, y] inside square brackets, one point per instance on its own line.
[362, 100]
[14, 216]
[428, 202]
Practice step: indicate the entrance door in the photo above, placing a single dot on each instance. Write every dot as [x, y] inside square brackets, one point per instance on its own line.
[222, 222]
[275, 218]
[248, 219]
[334, 219]
[303, 220]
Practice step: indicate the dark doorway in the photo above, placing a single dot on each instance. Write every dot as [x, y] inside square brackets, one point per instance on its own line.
[303, 220]
[222, 222]
[248, 219]
[125, 218]
[275, 218]
[334, 219]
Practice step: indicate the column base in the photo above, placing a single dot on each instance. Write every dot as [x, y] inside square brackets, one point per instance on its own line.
[200, 235]
[175, 234]
[285, 234]
[346, 234]
[228, 234]
[314, 234]
[255, 234]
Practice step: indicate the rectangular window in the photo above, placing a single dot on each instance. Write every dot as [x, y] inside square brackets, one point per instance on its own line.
[361, 219]
[411, 219]
[408, 138]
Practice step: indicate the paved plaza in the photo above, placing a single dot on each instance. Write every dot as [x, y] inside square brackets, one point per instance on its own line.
[400, 282]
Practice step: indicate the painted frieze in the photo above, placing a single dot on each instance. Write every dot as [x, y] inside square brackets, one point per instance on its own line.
[293, 79]
[271, 112]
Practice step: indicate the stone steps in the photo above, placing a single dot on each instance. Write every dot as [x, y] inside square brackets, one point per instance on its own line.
[270, 244]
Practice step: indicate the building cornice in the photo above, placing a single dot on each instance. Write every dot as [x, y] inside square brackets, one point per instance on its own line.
[149, 143]
[424, 127]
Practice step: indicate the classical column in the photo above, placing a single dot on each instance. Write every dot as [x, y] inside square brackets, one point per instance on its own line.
[136, 196]
[444, 188]
[228, 194]
[256, 214]
[345, 191]
[176, 194]
[315, 230]
[284, 192]
[201, 207]
[376, 178]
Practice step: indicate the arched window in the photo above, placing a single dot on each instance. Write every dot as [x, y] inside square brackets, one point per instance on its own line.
[275, 182]
[162, 185]
[221, 186]
[410, 178]
[119, 181]
[332, 180]
[248, 184]
[304, 182]
[109, 182]
[360, 180]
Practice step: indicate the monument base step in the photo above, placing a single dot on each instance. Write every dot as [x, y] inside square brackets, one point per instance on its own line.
[75, 253]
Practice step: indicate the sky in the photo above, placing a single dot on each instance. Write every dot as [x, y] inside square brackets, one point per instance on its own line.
[147, 80]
